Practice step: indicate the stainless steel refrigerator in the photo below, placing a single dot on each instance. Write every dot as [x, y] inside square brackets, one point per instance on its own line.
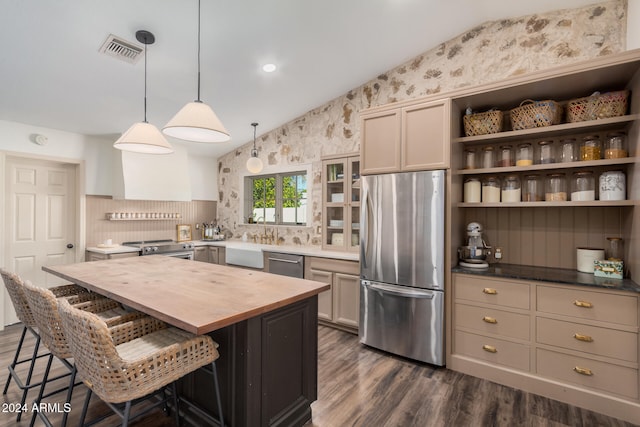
[402, 264]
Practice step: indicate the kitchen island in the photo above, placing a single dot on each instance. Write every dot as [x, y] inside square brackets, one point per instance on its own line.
[266, 326]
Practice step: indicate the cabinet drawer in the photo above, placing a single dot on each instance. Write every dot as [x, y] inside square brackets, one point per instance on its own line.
[589, 339]
[621, 309]
[492, 321]
[603, 376]
[481, 347]
[491, 291]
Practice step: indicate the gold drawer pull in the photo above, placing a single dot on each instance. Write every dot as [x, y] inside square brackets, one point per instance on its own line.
[583, 371]
[489, 291]
[580, 337]
[584, 304]
[489, 319]
[489, 348]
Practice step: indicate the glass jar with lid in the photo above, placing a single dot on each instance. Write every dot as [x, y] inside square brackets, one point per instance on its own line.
[505, 156]
[524, 155]
[546, 152]
[491, 190]
[583, 186]
[615, 146]
[615, 249]
[472, 190]
[568, 150]
[532, 189]
[555, 188]
[488, 157]
[591, 148]
[511, 190]
[613, 186]
[469, 158]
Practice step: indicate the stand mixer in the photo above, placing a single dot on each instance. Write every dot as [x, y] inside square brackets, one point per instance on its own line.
[475, 253]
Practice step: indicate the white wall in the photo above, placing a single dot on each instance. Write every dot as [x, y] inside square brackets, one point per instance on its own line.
[100, 157]
[633, 24]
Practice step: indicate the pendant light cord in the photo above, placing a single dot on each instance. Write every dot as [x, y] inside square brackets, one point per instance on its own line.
[145, 83]
[198, 100]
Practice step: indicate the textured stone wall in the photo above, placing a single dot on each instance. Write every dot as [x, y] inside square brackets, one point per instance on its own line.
[489, 52]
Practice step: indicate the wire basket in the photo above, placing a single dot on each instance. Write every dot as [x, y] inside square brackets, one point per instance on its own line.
[601, 106]
[483, 123]
[534, 114]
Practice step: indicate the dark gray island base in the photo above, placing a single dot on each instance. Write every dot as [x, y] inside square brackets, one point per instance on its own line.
[267, 370]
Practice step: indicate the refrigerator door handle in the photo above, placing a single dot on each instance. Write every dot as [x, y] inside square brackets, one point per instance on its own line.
[395, 290]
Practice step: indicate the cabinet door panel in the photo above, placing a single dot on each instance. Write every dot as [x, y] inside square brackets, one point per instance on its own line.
[325, 300]
[425, 136]
[347, 299]
[380, 143]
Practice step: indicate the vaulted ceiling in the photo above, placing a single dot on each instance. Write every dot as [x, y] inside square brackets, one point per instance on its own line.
[53, 75]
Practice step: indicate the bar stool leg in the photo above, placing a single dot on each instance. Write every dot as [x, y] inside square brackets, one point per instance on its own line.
[28, 381]
[127, 411]
[174, 391]
[72, 382]
[41, 392]
[85, 407]
[15, 359]
[217, 387]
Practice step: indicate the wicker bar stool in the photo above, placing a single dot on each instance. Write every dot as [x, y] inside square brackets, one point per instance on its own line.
[14, 285]
[154, 357]
[44, 306]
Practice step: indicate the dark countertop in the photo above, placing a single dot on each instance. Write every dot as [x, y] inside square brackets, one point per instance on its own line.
[555, 275]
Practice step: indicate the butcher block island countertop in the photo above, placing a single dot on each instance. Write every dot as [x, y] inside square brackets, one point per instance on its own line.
[194, 296]
[266, 326]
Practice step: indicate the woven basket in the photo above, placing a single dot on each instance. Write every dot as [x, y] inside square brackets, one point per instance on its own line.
[483, 123]
[534, 114]
[610, 104]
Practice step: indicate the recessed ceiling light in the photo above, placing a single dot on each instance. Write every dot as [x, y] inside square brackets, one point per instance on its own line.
[269, 68]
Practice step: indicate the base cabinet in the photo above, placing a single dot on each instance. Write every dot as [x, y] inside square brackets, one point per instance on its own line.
[576, 344]
[340, 305]
[210, 254]
[96, 256]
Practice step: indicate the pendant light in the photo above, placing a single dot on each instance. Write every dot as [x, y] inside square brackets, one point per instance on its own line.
[196, 121]
[144, 137]
[254, 164]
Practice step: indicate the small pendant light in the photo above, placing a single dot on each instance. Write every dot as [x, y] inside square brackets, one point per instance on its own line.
[196, 121]
[254, 164]
[144, 137]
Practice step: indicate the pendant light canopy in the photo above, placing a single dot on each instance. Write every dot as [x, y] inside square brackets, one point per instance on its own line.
[196, 121]
[144, 137]
[254, 164]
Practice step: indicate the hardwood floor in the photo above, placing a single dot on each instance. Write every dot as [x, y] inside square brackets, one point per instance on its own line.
[359, 386]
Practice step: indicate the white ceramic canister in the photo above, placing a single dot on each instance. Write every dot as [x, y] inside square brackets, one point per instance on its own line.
[585, 258]
[613, 186]
[472, 190]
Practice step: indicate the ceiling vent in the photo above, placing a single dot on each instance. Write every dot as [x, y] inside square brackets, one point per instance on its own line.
[121, 49]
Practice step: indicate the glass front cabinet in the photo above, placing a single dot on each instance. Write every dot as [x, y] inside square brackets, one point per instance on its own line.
[341, 203]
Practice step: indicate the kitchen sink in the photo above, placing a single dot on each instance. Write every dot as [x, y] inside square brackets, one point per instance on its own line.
[245, 255]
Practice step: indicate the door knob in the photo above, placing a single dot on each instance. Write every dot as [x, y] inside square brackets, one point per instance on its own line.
[69, 245]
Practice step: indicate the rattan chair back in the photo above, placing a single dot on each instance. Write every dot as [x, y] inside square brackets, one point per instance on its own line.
[15, 288]
[44, 307]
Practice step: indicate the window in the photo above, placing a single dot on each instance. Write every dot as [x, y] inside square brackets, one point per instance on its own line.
[277, 198]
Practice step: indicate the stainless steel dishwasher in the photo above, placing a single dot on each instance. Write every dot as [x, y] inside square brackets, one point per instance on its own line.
[286, 264]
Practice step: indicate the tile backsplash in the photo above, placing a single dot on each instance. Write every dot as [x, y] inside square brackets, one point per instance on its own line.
[100, 228]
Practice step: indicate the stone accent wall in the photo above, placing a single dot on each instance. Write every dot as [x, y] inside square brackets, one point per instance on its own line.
[489, 52]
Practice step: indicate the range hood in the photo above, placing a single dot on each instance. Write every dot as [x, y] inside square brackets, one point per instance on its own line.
[152, 177]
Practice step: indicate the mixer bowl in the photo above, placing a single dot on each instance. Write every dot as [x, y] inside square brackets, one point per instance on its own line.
[473, 252]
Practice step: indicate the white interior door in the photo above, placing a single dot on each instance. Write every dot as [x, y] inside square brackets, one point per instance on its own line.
[41, 204]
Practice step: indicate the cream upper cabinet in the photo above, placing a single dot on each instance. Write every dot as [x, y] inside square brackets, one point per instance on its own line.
[409, 138]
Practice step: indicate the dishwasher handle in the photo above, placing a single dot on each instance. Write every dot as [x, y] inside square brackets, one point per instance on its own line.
[395, 290]
[284, 260]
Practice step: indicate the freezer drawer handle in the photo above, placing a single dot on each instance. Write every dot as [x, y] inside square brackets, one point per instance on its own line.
[489, 291]
[284, 260]
[583, 371]
[580, 337]
[489, 348]
[583, 304]
[489, 319]
[400, 292]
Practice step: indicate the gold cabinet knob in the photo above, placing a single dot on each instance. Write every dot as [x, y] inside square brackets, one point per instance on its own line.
[489, 319]
[489, 348]
[583, 304]
[489, 291]
[580, 337]
[583, 371]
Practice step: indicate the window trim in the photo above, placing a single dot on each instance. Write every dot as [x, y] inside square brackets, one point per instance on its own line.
[279, 170]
